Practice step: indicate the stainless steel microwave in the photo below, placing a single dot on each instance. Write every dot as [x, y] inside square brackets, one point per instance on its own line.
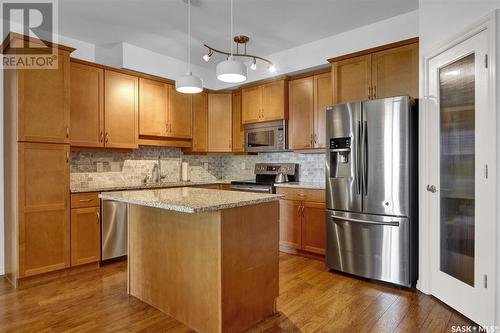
[266, 136]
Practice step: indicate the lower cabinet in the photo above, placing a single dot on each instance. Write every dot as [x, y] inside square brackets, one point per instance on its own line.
[302, 222]
[85, 228]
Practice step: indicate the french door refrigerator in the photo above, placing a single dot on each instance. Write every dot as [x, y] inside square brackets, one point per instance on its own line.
[371, 189]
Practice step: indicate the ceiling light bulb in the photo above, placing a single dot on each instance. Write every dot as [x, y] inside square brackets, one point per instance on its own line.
[271, 68]
[253, 66]
[207, 56]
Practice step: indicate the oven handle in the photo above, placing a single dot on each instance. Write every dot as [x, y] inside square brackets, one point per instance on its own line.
[250, 189]
[350, 219]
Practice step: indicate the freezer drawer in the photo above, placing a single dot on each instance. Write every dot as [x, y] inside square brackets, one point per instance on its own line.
[113, 229]
[375, 247]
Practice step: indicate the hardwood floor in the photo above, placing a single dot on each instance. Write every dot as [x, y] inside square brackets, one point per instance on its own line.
[312, 299]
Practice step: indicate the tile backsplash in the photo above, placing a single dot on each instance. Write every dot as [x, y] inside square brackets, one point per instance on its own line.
[104, 168]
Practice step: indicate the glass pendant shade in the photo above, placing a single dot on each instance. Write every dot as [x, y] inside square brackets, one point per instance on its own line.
[189, 84]
[231, 71]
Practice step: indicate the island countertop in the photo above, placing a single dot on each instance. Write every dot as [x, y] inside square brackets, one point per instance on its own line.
[190, 200]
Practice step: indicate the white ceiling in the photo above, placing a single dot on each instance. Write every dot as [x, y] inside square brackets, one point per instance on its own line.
[273, 25]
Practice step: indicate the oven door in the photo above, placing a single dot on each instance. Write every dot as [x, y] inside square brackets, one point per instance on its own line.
[371, 246]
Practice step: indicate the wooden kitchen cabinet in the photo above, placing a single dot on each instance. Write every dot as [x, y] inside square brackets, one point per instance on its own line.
[87, 105]
[265, 102]
[309, 97]
[180, 117]
[121, 104]
[352, 79]
[395, 72]
[238, 134]
[302, 220]
[301, 125]
[44, 229]
[200, 122]
[385, 71]
[291, 224]
[220, 123]
[85, 235]
[153, 106]
[44, 102]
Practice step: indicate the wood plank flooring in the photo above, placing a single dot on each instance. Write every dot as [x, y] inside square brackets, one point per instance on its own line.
[312, 299]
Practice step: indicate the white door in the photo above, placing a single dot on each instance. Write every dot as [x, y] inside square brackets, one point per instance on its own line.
[460, 146]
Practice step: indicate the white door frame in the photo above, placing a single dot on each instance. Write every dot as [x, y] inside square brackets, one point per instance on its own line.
[489, 23]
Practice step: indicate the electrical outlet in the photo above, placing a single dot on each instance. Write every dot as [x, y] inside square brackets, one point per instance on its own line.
[100, 167]
[205, 165]
[243, 166]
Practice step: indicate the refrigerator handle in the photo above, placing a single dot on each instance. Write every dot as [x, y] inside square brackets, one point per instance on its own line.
[358, 155]
[365, 159]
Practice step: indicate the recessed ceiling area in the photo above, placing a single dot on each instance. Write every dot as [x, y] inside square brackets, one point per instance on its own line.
[273, 26]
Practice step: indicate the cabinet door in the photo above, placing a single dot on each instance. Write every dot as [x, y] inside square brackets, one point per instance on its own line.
[251, 104]
[153, 99]
[85, 235]
[322, 100]
[44, 227]
[238, 135]
[301, 113]
[44, 103]
[352, 79]
[87, 106]
[290, 224]
[120, 109]
[395, 72]
[180, 117]
[200, 122]
[219, 123]
[313, 228]
[274, 100]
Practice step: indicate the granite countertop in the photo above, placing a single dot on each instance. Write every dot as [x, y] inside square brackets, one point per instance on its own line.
[308, 185]
[118, 187]
[188, 199]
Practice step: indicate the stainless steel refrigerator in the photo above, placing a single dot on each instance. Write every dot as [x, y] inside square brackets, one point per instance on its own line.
[371, 189]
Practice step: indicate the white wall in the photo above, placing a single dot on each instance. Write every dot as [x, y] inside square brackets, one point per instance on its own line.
[315, 54]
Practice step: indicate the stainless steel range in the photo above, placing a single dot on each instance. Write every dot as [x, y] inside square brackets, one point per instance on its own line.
[266, 175]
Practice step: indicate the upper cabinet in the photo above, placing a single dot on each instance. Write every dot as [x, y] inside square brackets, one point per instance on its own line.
[384, 72]
[153, 105]
[44, 102]
[238, 136]
[352, 79]
[395, 72]
[220, 123]
[87, 106]
[265, 102]
[179, 114]
[309, 97]
[121, 92]
[200, 122]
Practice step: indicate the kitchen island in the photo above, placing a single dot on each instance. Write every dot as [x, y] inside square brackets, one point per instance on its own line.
[208, 258]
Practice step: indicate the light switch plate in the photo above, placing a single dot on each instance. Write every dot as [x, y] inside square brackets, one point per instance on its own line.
[243, 166]
[100, 167]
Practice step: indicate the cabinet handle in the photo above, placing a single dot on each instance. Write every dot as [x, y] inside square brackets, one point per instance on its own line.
[374, 92]
[369, 92]
[67, 131]
[302, 210]
[298, 210]
[315, 138]
[107, 137]
[85, 200]
[312, 139]
[98, 217]
[101, 137]
[67, 157]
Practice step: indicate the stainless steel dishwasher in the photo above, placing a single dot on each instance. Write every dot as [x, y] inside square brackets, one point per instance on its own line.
[113, 230]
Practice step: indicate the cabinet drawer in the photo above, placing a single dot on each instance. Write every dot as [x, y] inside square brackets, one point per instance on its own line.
[302, 194]
[80, 200]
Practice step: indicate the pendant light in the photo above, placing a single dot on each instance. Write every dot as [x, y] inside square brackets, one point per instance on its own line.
[230, 70]
[189, 83]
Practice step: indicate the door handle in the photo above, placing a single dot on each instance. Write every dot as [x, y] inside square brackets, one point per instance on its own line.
[358, 156]
[350, 219]
[431, 188]
[365, 167]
